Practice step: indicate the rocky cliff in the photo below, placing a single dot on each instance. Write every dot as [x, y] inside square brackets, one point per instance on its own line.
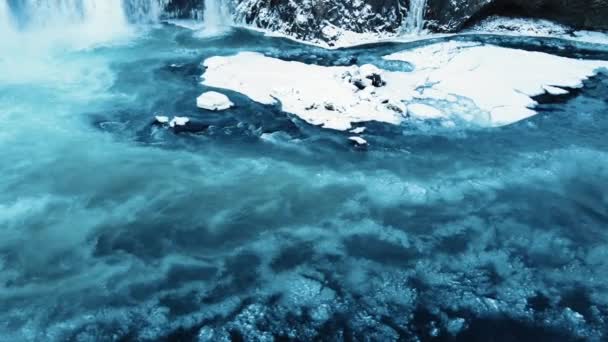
[325, 20]
[452, 15]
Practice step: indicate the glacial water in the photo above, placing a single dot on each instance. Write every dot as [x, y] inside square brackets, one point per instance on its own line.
[263, 227]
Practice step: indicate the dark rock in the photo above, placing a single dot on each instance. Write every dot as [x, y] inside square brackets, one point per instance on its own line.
[453, 15]
[330, 106]
[377, 80]
[191, 127]
[359, 84]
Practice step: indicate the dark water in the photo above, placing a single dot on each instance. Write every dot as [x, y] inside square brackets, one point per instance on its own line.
[262, 227]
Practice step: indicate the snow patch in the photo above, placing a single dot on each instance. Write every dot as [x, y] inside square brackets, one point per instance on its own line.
[423, 111]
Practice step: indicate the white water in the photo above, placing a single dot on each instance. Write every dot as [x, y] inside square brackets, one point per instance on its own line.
[73, 23]
[216, 18]
[5, 19]
[414, 23]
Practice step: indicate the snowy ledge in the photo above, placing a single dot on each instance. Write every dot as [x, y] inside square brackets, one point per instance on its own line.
[455, 81]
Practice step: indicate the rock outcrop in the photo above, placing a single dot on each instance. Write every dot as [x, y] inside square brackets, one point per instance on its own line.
[322, 20]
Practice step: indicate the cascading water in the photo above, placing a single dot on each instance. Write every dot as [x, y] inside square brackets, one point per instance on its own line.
[94, 15]
[5, 19]
[414, 23]
[72, 22]
[216, 18]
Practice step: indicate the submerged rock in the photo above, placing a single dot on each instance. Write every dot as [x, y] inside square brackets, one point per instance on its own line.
[212, 100]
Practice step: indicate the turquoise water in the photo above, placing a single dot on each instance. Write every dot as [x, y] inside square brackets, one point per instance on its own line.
[260, 226]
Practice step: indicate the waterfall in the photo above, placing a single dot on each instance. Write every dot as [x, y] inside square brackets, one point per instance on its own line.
[6, 25]
[216, 18]
[414, 23]
[144, 11]
[89, 17]
[75, 22]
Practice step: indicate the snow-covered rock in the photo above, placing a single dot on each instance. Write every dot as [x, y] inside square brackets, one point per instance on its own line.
[179, 121]
[499, 82]
[212, 100]
[161, 119]
[358, 141]
[357, 130]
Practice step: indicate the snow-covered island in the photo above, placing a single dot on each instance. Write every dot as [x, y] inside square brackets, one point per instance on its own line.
[495, 85]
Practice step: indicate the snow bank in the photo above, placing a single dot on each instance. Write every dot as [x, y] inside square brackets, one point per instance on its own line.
[499, 81]
[212, 100]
